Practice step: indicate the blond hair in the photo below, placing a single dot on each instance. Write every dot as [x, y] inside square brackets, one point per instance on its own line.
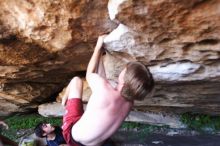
[138, 82]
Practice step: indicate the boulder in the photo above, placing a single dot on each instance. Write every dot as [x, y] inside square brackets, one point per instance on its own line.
[43, 44]
[55, 109]
[179, 41]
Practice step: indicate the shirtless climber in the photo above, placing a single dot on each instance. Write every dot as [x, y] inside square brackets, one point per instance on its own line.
[108, 106]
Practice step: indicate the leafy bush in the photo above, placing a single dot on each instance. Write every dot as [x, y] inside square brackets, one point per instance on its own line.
[201, 122]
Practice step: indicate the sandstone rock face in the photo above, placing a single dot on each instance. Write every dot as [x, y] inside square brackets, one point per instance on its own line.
[180, 42]
[54, 109]
[44, 43]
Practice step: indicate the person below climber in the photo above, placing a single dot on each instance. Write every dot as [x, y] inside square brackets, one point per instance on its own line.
[53, 134]
[108, 106]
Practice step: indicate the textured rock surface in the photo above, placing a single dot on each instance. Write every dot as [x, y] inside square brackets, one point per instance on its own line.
[180, 42]
[44, 43]
[55, 109]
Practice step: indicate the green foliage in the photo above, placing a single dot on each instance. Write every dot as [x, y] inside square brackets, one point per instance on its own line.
[146, 128]
[201, 122]
[29, 121]
[130, 125]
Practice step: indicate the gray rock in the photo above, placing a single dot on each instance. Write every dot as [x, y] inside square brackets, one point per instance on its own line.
[51, 110]
[57, 110]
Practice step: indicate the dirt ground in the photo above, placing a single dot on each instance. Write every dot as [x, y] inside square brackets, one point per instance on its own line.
[132, 138]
